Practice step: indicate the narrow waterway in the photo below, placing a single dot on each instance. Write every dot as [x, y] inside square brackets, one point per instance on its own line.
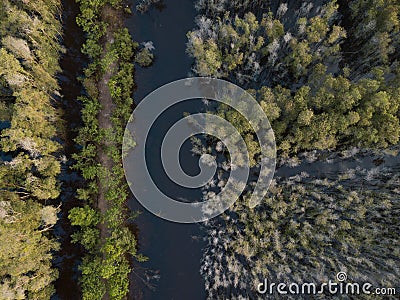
[174, 250]
[72, 63]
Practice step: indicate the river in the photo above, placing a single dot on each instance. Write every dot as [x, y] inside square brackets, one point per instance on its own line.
[72, 63]
[174, 250]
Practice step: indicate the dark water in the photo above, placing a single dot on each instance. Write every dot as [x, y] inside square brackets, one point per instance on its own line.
[174, 250]
[72, 63]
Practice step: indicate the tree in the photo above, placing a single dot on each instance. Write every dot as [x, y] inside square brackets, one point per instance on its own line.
[29, 54]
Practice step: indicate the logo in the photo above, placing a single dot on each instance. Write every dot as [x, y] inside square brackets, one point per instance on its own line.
[338, 287]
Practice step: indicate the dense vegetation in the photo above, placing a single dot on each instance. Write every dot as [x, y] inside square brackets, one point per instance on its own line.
[29, 147]
[31, 151]
[103, 217]
[300, 73]
[327, 76]
[309, 229]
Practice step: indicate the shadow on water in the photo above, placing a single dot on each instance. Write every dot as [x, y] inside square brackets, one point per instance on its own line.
[174, 250]
[72, 63]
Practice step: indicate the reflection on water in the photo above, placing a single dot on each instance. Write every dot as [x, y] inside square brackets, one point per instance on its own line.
[174, 250]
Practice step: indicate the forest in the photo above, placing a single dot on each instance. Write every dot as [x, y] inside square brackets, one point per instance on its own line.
[325, 72]
[32, 139]
[30, 150]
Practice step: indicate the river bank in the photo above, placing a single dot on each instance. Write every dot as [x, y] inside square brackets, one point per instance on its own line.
[103, 217]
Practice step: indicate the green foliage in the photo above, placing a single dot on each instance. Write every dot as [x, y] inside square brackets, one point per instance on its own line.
[102, 230]
[93, 286]
[327, 81]
[249, 48]
[311, 229]
[88, 237]
[309, 105]
[84, 216]
[245, 130]
[26, 249]
[29, 54]
[144, 57]
[124, 45]
[233, 48]
[374, 38]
